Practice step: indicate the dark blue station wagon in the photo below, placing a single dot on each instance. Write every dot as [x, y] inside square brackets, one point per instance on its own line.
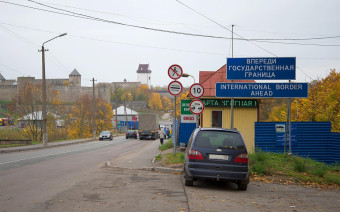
[217, 154]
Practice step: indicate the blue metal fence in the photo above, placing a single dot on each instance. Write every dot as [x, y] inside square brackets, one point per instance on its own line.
[309, 139]
[185, 130]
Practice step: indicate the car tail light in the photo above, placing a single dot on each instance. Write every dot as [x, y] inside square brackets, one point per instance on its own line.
[241, 158]
[196, 155]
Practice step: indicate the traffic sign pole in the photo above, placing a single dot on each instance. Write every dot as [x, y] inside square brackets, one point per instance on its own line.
[175, 139]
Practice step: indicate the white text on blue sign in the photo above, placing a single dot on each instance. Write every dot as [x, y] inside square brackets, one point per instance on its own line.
[262, 90]
[280, 68]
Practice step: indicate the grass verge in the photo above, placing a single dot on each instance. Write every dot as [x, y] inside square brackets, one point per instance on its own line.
[276, 167]
[166, 145]
[293, 169]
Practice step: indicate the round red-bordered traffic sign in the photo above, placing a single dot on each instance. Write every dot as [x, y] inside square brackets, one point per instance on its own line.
[196, 90]
[175, 71]
[175, 88]
[196, 106]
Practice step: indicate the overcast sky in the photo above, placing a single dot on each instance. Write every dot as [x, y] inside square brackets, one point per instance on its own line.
[111, 52]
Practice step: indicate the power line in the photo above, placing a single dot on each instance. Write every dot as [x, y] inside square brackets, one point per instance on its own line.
[137, 45]
[223, 26]
[234, 33]
[12, 69]
[79, 15]
[53, 60]
[251, 39]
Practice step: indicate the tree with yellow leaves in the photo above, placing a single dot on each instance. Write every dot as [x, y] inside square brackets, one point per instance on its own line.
[27, 105]
[104, 115]
[166, 103]
[322, 104]
[81, 117]
[155, 102]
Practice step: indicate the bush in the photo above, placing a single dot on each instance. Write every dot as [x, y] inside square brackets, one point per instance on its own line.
[333, 178]
[299, 164]
[258, 168]
[259, 163]
[319, 171]
[260, 156]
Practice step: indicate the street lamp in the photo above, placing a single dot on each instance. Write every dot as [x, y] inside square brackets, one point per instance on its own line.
[188, 75]
[44, 114]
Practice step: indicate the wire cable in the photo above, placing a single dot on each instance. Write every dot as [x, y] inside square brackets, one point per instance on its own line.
[78, 15]
[234, 33]
[251, 39]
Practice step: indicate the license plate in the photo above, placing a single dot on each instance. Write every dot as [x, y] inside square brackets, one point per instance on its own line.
[218, 157]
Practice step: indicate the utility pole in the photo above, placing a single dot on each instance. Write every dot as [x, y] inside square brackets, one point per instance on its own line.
[43, 87]
[116, 110]
[94, 109]
[44, 111]
[232, 99]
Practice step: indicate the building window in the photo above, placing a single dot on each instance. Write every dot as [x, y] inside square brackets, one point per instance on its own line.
[216, 119]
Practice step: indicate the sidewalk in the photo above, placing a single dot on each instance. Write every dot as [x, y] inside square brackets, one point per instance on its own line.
[41, 146]
[143, 159]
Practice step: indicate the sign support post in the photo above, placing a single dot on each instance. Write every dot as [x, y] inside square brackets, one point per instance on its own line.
[175, 142]
[175, 72]
[289, 127]
[232, 99]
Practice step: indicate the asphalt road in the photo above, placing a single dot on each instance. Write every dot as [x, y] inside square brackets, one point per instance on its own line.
[31, 177]
[80, 180]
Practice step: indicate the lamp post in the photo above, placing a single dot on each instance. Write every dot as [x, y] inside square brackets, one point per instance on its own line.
[188, 75]
[44, 113]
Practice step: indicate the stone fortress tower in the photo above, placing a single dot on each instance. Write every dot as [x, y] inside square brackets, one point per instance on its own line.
[75, 78]
[144, 74]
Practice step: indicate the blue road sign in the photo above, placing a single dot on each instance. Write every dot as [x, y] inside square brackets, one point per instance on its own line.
[272, 68]
[262, 90]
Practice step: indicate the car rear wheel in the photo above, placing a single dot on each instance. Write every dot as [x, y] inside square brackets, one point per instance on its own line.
[242, 187]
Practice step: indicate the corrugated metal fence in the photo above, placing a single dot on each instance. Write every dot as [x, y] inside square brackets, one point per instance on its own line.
[309, 139]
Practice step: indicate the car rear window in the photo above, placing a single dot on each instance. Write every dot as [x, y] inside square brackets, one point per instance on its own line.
[130, 131]
[219, 139]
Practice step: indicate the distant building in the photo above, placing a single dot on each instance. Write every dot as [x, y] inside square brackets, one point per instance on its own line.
[144, 74]
[125, 85]
[70, 89]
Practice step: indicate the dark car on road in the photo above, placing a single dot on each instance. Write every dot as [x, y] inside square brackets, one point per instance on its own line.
[216, 154]
[131, 134]
[105, 135]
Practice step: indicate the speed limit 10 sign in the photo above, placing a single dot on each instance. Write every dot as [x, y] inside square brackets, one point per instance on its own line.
[196, 90]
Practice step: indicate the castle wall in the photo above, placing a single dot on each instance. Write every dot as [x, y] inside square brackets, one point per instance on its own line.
[7, 92]
[72, 94]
